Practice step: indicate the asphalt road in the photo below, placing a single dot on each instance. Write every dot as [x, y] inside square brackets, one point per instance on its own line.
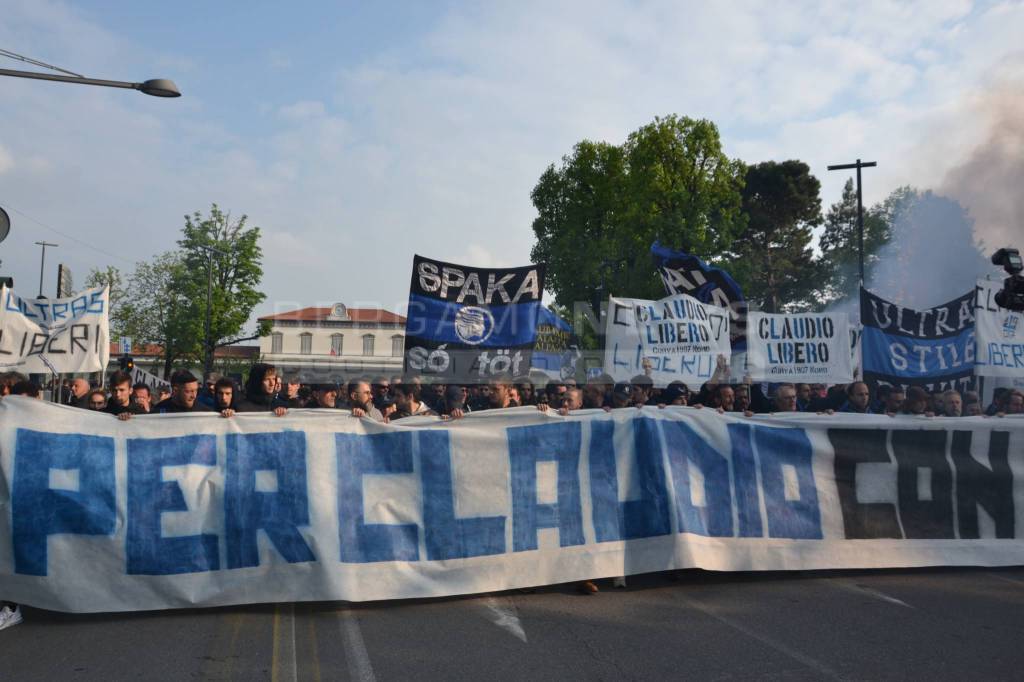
[955, 624]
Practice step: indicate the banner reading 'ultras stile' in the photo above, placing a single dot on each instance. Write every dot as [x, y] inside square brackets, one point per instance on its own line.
[802, 347]
[683, 337]
[198, 510]
[999, 335]
[61, 335]
[931, 348]
[469, 324]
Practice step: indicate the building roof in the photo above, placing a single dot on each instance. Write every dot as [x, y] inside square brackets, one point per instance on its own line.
[155, 350]
[353, 315]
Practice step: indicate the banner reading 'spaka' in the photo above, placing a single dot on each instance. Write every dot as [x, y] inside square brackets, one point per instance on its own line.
[468, 324]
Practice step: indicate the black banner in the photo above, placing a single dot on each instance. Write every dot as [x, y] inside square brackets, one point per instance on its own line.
[468, 324]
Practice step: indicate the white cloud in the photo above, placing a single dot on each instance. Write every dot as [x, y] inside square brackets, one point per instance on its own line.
[6, 161]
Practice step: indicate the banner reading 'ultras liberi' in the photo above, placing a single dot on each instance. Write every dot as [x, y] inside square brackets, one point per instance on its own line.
[468, 324]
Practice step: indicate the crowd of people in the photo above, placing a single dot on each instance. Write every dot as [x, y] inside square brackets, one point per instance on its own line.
[390, 398]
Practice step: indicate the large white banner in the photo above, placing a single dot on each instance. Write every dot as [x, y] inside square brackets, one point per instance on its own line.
[999, 335]
[61, 335]
[197, 510]
[802, 347]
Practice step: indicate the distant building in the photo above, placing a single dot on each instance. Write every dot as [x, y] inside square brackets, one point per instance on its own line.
[335, 343]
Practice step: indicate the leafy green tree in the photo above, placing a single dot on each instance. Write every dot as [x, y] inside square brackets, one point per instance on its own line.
[600, 210]
[111, 277]
[236, 273]
[773, 260]
[156, 309]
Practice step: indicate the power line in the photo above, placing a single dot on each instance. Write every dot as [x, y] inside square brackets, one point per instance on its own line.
[36, 62]
[65, 234]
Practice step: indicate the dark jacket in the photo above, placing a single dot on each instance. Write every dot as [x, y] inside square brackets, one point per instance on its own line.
[115, 409]
[259, 403]
[169, 406]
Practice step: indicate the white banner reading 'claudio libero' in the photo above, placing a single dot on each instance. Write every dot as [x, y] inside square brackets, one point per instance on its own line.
[999, 335]
[683, 337]
[60, 335]
[197, 510]
[802, 347]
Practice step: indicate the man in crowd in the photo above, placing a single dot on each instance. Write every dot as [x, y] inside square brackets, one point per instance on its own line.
[224, 397]
[724, 398]
[858, 398]
[381, 389]
[642, 388]
[184, 395]
[142, 397]
[526, 391]
[917, 402]
[572, 400]
[894, 399]
[261, 393]
[29, 389]
[325, 396]
[290, 389]
[96, 400]
[407, 402]
[952, 403]
[594, 393]
[79, 390]
[120, 404]
[360, 397]
[785, 398]
[621, 393]
[803, 397]
[207, 393]
[1015, 403]
[555, 391]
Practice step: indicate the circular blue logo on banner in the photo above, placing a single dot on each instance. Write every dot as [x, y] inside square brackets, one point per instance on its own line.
[474, 325]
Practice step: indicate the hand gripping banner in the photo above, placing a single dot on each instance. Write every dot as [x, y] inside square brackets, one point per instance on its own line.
[467, 324]
[197, 510]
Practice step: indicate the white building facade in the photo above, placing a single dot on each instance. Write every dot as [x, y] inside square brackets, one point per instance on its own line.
[336, 343]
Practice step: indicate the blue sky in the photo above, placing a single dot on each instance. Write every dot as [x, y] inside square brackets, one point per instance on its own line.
[356, 134]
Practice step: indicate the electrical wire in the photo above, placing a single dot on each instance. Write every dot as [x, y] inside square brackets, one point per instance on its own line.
[36, 62]
[65, 234]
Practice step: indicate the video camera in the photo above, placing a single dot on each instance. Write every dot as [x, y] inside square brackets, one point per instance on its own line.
[1012, 295]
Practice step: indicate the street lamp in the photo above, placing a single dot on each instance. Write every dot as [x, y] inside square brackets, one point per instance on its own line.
[208, 342]
[42, 264]
[860, 207]
[157, 87]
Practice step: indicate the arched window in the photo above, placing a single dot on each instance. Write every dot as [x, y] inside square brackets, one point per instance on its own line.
[397, 346]
[276, 342]
[305, 343]
[337, 344]
[368, 344]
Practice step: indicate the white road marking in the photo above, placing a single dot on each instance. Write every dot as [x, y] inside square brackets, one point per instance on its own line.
[814, 664]
[356, 656]
[285, 668]
[502, 612]
[869, 591]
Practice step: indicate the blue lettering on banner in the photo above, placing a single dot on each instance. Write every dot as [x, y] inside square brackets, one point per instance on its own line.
[148, 552]
[448, 537]
[631, 519]
[797, 518]
[37, 511]
[685, 447]
[380, 453]
[279, 514]
[527, 445]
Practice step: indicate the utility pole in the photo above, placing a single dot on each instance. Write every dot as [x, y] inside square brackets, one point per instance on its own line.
[207, 341]
[42, 264]
[860, 206]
